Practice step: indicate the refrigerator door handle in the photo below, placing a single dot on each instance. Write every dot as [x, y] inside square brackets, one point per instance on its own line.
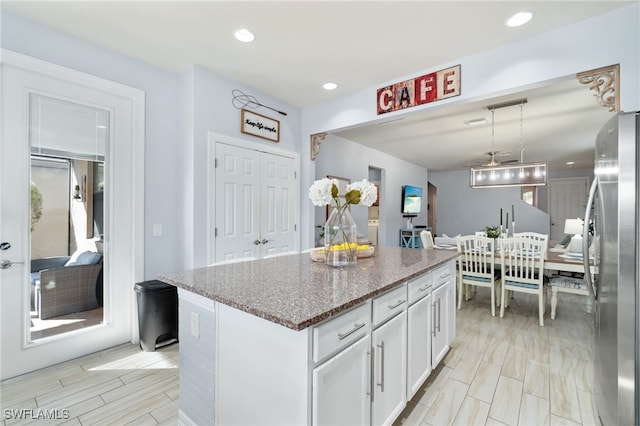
[585, 241]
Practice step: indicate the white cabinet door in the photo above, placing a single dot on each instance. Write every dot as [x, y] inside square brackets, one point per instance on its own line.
[341, 387]
[389, 345]
[451, 306]
[439, 341]
[418, 345]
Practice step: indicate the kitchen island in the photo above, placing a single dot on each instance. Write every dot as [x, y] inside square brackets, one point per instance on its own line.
[287, 340]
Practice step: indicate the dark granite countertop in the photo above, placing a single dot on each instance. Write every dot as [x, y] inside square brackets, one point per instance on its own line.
[296, 292]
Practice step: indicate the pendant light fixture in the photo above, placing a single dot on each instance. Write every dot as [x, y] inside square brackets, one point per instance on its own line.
[494, 174]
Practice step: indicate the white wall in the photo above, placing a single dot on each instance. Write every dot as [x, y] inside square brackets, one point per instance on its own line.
[464, 210]
[347, 159]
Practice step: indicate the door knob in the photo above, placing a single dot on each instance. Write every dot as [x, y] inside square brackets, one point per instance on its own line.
[264, 241]
[257, 242]
[5, 246]
[6, 264]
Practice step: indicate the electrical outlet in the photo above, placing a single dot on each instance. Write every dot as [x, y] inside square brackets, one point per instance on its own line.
[195, 325]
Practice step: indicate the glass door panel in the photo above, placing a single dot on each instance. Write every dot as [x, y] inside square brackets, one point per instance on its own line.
[68, 143]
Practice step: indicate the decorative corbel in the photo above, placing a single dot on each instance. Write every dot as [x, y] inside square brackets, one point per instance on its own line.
[605, 82]
[316, 140]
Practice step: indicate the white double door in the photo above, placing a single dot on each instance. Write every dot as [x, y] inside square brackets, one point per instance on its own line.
[256, 203]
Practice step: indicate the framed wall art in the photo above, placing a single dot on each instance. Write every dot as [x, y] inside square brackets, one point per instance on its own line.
[259, 125]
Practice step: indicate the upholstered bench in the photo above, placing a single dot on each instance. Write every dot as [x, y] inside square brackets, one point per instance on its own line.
[564, 284]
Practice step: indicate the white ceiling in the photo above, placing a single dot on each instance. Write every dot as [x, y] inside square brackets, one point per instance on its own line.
[359, 44]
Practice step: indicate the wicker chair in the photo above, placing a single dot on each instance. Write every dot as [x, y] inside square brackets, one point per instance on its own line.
[65, 285]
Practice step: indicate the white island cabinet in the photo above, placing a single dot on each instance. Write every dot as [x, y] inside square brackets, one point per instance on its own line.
[286, 341]
[419, 332]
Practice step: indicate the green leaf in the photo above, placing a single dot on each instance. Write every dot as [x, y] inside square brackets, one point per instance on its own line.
[352, 197]
[334, 191]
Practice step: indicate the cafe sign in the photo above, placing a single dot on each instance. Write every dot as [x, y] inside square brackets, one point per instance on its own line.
[420, 90]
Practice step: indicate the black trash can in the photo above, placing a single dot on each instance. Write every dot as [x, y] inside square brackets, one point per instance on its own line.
[157, 314]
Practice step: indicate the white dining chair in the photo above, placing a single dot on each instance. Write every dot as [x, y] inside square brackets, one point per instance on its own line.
[522, 269]
[427, 239]
[531, 235]
[476, 267]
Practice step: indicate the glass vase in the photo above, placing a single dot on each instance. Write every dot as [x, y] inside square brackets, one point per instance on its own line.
[340, 239]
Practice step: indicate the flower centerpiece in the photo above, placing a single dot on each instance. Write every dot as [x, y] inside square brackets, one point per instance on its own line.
[492, 231]
[340, 231]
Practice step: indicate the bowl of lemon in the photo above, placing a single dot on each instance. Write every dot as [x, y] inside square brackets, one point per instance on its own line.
[364, 250]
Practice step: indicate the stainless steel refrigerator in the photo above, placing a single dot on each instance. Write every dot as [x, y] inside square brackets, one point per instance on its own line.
[611, 227]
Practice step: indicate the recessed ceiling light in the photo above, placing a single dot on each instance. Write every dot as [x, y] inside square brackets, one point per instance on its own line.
[244, 35]
[519, 18]
[570, 163]
[475, 121]
[329, 86]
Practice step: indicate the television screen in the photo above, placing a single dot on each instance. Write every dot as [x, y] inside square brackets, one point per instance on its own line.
[411, 199]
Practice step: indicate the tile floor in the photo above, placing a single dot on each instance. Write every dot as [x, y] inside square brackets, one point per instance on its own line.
[119, 386]
[505, 371]
[511, 371]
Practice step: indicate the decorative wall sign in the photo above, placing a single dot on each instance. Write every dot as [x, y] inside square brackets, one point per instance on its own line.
[260, 126]
[420, 90]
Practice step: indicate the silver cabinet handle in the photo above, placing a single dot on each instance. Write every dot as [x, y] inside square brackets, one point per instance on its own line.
[445, 275]
[371, 373]
[264, 241]
[381, 384]
[433, 323]
[5, 246]
[439, 318]
[400, 302]
[256, 242]
[355, 328]
[425, 288]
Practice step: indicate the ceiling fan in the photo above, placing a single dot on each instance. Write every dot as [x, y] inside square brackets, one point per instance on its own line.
[493, 161]
[493, 153]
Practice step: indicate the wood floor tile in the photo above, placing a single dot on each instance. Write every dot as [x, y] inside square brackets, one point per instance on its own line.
[466, 369]
[534, 411]
[515, 364]
[536, 379]
[564, 397]
[472, 413]
[446, 406]
[484, 384]
[506, 401]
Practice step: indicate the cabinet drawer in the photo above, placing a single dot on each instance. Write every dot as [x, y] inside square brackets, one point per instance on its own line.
[419, 287]
[443, 274]
[389, 304]
[341, 331]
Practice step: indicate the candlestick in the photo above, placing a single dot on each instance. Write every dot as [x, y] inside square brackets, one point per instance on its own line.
[507, 224]
[513, 214]
[501, 218]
